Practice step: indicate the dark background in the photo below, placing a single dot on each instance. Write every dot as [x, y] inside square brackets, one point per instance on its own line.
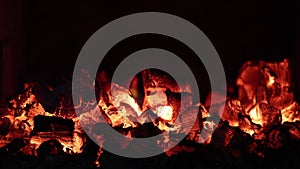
[41, 40]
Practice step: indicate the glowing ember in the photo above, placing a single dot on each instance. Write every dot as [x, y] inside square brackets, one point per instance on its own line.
[165, 112]
[255, 115]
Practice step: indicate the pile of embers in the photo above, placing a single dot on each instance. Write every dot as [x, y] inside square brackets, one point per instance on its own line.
[259, 128]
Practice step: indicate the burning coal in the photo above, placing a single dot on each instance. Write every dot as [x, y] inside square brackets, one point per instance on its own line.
[263, 116]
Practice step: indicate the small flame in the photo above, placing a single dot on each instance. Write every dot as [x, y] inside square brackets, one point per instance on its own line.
[271, 81]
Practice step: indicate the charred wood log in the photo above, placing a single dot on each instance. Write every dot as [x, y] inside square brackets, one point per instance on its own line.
[14, 147]
[4, 126]
[52, 124]
[50, 147]
[46, 97]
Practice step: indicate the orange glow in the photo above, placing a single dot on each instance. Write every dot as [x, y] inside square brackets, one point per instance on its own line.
[291, 113]
[264, 101]
[255, 115]
[270, 79]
